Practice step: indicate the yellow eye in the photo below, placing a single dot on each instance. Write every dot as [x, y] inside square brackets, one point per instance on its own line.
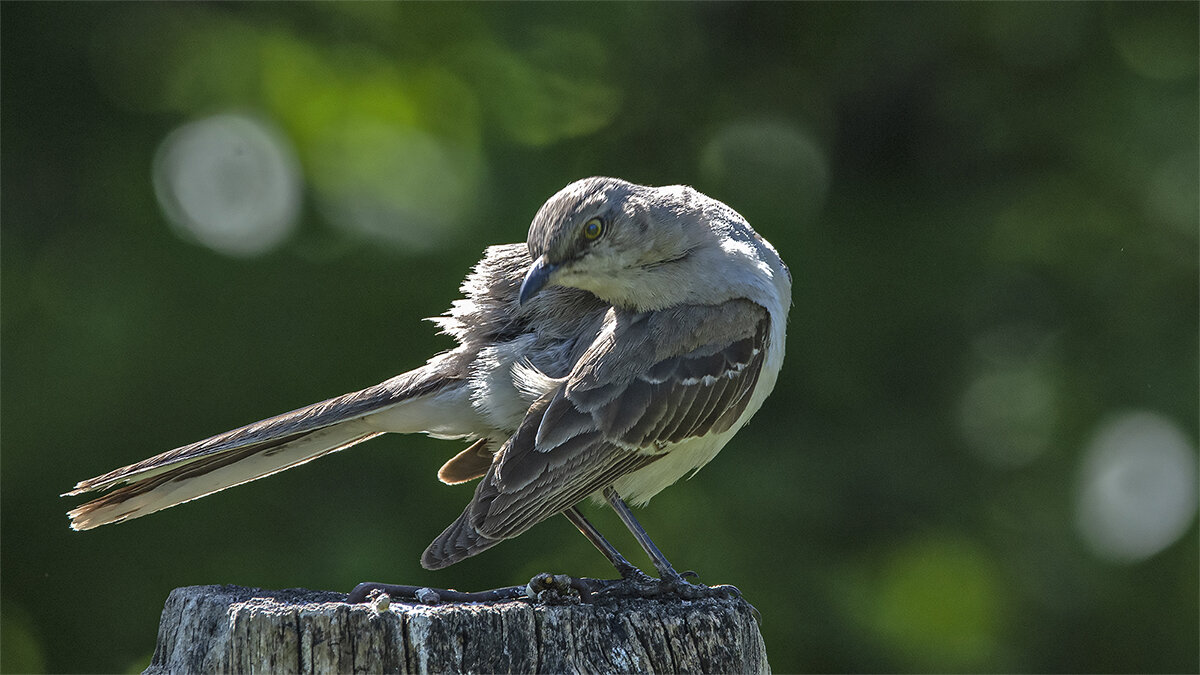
[592, 229]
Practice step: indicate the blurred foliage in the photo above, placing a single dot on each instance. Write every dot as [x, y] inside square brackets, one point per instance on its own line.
[990, 211]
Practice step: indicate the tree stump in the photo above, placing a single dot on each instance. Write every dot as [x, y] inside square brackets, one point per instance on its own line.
[231, 629]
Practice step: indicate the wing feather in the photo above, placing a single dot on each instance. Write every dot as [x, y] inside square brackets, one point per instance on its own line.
[647, 382]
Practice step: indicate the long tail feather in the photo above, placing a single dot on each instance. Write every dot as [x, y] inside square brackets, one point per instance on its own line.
[249, 452]
[213, 473]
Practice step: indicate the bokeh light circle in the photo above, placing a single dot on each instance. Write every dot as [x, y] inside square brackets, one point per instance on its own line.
[229, 182]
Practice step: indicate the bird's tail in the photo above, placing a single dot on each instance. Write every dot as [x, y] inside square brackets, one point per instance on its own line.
[248, 453]
[179, 481]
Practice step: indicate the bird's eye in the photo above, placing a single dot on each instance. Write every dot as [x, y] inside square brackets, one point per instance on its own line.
[592, 229]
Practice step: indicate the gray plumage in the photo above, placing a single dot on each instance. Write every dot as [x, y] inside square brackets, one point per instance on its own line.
[624, 359]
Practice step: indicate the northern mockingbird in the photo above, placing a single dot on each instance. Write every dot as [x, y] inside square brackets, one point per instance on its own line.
[613, 354]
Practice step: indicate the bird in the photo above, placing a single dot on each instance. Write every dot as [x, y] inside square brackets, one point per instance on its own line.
[612, 354]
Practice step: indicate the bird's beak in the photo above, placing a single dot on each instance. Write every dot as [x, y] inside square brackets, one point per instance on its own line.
[535, 279]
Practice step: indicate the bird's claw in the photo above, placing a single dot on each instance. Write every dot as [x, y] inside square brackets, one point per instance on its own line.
[559, 588]
[552, 589]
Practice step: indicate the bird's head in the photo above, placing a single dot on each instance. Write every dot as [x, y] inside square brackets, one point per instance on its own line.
[615, 239]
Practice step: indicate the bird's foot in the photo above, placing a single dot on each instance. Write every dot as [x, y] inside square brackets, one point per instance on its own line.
[562, 588]
[552, 589]
[675, 584]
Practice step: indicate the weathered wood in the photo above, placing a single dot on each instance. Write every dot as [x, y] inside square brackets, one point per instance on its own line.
[230, 629]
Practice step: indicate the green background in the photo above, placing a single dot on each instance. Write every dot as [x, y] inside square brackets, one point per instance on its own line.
[990, 211]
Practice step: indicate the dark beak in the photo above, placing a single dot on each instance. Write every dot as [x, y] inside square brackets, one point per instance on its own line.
[535, 279]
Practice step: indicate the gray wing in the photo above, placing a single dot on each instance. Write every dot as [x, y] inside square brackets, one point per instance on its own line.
[647, 382]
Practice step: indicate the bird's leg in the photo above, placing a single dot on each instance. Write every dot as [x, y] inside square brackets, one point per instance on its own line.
[555, 587]
[626, 569]
[665, 571]
[548, 587]
[560, 587]
[672, 581]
